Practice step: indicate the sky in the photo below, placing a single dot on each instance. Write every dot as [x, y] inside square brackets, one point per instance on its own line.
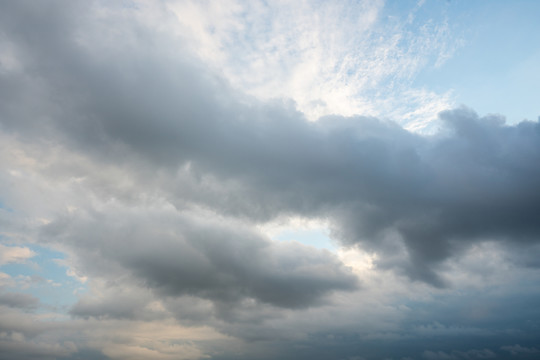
[352, 180]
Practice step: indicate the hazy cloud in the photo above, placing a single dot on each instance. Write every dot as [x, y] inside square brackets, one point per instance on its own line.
[380, 184]
[19, 300]
[154, 176]
[518, 349]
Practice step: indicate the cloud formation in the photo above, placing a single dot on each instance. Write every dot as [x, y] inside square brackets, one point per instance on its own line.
[14, 254]
[155, 175]
[179, 255]
[18, 300]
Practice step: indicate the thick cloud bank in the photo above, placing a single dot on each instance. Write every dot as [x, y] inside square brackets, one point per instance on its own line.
[200, 257]
[382, 186]
[154, 176]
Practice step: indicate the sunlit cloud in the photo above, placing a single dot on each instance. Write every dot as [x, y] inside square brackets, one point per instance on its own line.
[260, 180]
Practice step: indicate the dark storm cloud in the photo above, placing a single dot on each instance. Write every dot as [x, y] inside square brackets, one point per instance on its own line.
[178, 256]
[116, 304]
[153, 111]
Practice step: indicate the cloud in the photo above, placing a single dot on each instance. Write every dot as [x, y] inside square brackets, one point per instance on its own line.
[518, 349]
[115, 302]
[51, 336]
[19, 300]
[5, 280]
[330, 58]
[384, 187]
[183, 255]
[470, 354]
[14, 254]
[156, 176]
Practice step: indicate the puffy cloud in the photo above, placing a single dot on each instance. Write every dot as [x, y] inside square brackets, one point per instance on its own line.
[155, 177]
[383, 187]
[14, 254]
[183, 255]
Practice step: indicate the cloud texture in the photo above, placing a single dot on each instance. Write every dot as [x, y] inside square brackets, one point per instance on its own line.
[154, 175]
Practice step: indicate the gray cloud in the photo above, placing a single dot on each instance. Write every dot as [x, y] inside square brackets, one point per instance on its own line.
[178, 255]
[471, 354]
[170, 172]
[382, 186]
[518, 349]
[19, 300]
[116, 303]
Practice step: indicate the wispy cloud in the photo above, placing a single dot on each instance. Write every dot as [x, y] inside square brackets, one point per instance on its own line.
[348, 58]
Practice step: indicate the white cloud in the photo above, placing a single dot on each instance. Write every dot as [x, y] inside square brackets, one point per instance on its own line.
[15, 254]
[6, 280]
[342, 58]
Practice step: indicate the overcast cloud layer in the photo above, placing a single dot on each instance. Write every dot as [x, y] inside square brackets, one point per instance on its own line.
[155, 174]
